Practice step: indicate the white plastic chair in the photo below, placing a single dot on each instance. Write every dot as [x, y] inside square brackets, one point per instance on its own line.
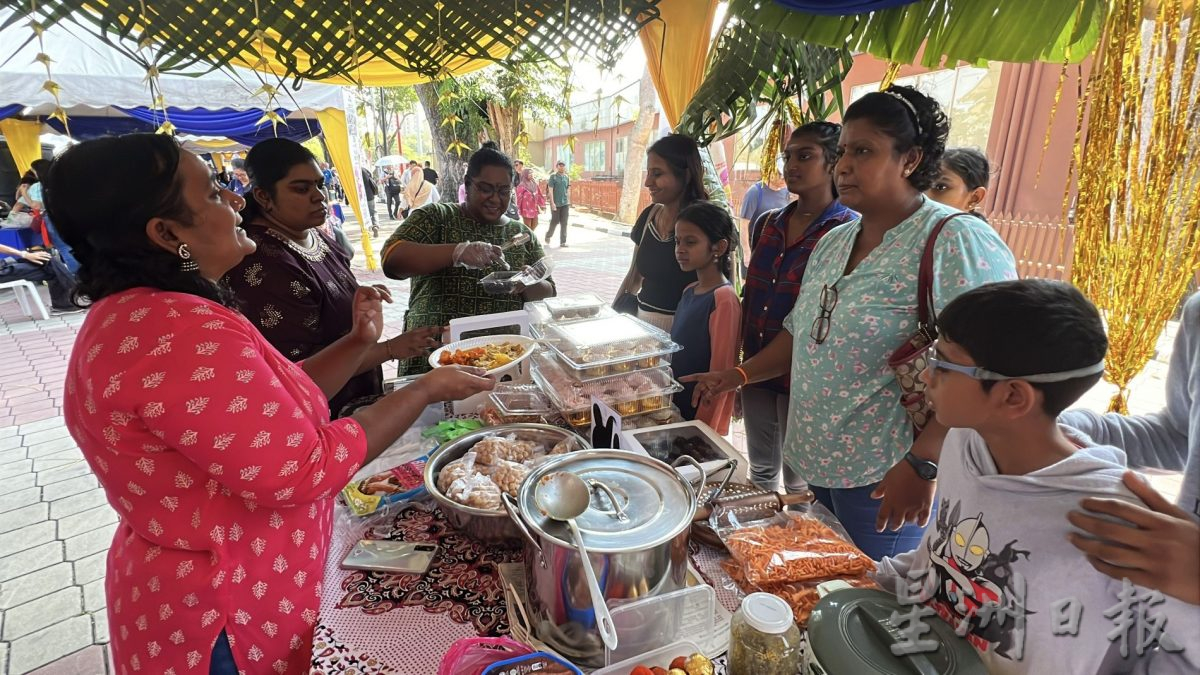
[19, 289]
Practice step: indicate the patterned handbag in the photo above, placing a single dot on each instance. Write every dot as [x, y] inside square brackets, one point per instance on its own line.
[909, 360]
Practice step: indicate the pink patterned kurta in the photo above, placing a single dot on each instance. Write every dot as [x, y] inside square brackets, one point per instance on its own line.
[219, 456]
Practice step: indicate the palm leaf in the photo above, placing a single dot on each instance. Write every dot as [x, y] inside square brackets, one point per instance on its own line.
[749, 66]
[332, 39]
[1019, 31]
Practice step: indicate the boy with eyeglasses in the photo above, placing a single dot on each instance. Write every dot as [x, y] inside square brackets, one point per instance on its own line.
[998, 565]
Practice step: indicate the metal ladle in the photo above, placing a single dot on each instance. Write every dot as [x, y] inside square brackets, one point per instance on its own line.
[564, 496]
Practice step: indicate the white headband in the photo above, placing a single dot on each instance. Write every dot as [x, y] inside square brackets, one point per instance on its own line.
[911, 108]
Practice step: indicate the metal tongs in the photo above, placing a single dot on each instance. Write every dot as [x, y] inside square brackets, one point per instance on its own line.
[517, 240]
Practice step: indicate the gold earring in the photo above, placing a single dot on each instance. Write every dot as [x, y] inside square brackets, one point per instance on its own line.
[188, 265]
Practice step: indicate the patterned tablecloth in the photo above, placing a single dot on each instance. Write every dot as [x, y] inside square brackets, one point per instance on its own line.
[374, 622]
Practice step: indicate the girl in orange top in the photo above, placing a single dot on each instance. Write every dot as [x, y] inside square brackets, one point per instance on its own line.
[709, 316]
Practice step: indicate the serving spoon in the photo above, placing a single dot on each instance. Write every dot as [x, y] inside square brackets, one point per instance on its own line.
[564, 496]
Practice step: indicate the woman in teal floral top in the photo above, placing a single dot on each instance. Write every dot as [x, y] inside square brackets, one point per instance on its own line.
[447, 248]
[847, 434]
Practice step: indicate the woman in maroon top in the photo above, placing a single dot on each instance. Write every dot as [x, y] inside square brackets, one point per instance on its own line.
[781, 241]
[297, 287]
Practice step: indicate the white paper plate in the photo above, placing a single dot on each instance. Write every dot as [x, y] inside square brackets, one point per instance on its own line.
[527, 342]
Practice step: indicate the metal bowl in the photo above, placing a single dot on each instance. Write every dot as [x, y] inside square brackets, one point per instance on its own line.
[486, 524]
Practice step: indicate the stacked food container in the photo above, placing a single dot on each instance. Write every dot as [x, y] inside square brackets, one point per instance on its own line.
[589, 350]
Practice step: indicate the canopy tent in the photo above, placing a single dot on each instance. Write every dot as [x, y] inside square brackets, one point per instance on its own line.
[370, 43]
[104, 92]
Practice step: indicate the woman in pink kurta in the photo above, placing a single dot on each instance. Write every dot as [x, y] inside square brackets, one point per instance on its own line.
[216, 451]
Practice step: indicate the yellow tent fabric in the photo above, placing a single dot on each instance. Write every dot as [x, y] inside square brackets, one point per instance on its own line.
[374, 72]
[677, 51]
[22, 137]
[337, 139]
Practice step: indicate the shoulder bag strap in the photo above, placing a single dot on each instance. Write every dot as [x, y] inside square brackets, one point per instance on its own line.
[925, 318]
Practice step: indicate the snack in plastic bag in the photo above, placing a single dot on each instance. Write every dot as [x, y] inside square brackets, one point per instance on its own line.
[476, 490]
[399, 483]
[508, 475]
[793, 547]
[495, 448]
[460, 468]
[800, 596]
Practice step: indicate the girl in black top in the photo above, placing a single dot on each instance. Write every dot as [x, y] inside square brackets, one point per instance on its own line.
[675, 178]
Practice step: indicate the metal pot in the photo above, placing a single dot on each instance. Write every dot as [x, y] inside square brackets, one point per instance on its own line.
[637, 546]
[484, 524]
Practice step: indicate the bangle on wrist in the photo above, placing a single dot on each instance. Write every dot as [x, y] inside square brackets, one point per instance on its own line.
[745, 377]
[387, 347]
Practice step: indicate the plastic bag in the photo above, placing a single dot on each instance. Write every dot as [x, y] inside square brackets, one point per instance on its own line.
[792, 547]
[800, 596]
[471, 656]
[476, 490]
[401, 483]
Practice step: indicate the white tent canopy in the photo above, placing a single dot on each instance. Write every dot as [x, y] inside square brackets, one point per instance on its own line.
[93, 76]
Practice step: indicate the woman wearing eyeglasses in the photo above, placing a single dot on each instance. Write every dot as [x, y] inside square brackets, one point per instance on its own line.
[847, 434]
[447, 248]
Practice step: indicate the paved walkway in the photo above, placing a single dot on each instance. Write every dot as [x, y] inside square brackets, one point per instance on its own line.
[55, 525]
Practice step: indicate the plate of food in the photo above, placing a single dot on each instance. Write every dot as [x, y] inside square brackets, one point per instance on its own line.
[496, 354]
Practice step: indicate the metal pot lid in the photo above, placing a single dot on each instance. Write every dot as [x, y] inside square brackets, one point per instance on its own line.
[850, 631]
[654, 502]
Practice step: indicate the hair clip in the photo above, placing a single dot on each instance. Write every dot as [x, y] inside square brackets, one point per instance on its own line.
[911, 108]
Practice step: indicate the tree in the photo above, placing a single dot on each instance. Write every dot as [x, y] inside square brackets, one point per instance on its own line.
[449, 150]
[635, 152]
[390, 105]
[492, 103]
[535, 91]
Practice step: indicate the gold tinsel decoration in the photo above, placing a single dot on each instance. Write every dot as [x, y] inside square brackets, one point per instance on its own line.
[889, 75]
[772, 147]
[1136, 235]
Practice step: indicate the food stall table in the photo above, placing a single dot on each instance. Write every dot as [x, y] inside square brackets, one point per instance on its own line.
[375, 622]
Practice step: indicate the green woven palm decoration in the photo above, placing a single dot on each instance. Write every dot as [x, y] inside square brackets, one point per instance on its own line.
[1020, 31]
[335, 37]
[749, 66]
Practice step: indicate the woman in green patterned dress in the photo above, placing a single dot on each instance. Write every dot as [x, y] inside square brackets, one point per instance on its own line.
[447, 248]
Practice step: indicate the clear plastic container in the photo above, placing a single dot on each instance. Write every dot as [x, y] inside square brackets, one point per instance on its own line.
[517, 403]
[660, 620]
[660, 658]
[578, 306]
[593, 344]
[628, 393]
[763, 637]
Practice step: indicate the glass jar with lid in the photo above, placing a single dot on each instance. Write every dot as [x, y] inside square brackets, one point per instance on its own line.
[764, 638]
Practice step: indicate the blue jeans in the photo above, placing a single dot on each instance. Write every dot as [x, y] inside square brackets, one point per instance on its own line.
[61, 246]
[222, 657]
[856, 511]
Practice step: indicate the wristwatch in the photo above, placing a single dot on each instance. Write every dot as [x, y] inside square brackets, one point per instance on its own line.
[925, 469]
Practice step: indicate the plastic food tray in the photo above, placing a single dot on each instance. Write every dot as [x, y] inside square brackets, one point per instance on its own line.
[579, 306]
[520, 399]
[605, 342]
[540, 316]
[593, 373]
[573, 398]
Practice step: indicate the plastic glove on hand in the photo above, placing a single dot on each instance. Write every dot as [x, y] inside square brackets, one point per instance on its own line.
[476, 255]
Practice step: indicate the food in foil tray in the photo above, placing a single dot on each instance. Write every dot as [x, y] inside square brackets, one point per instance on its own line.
[494, 465]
